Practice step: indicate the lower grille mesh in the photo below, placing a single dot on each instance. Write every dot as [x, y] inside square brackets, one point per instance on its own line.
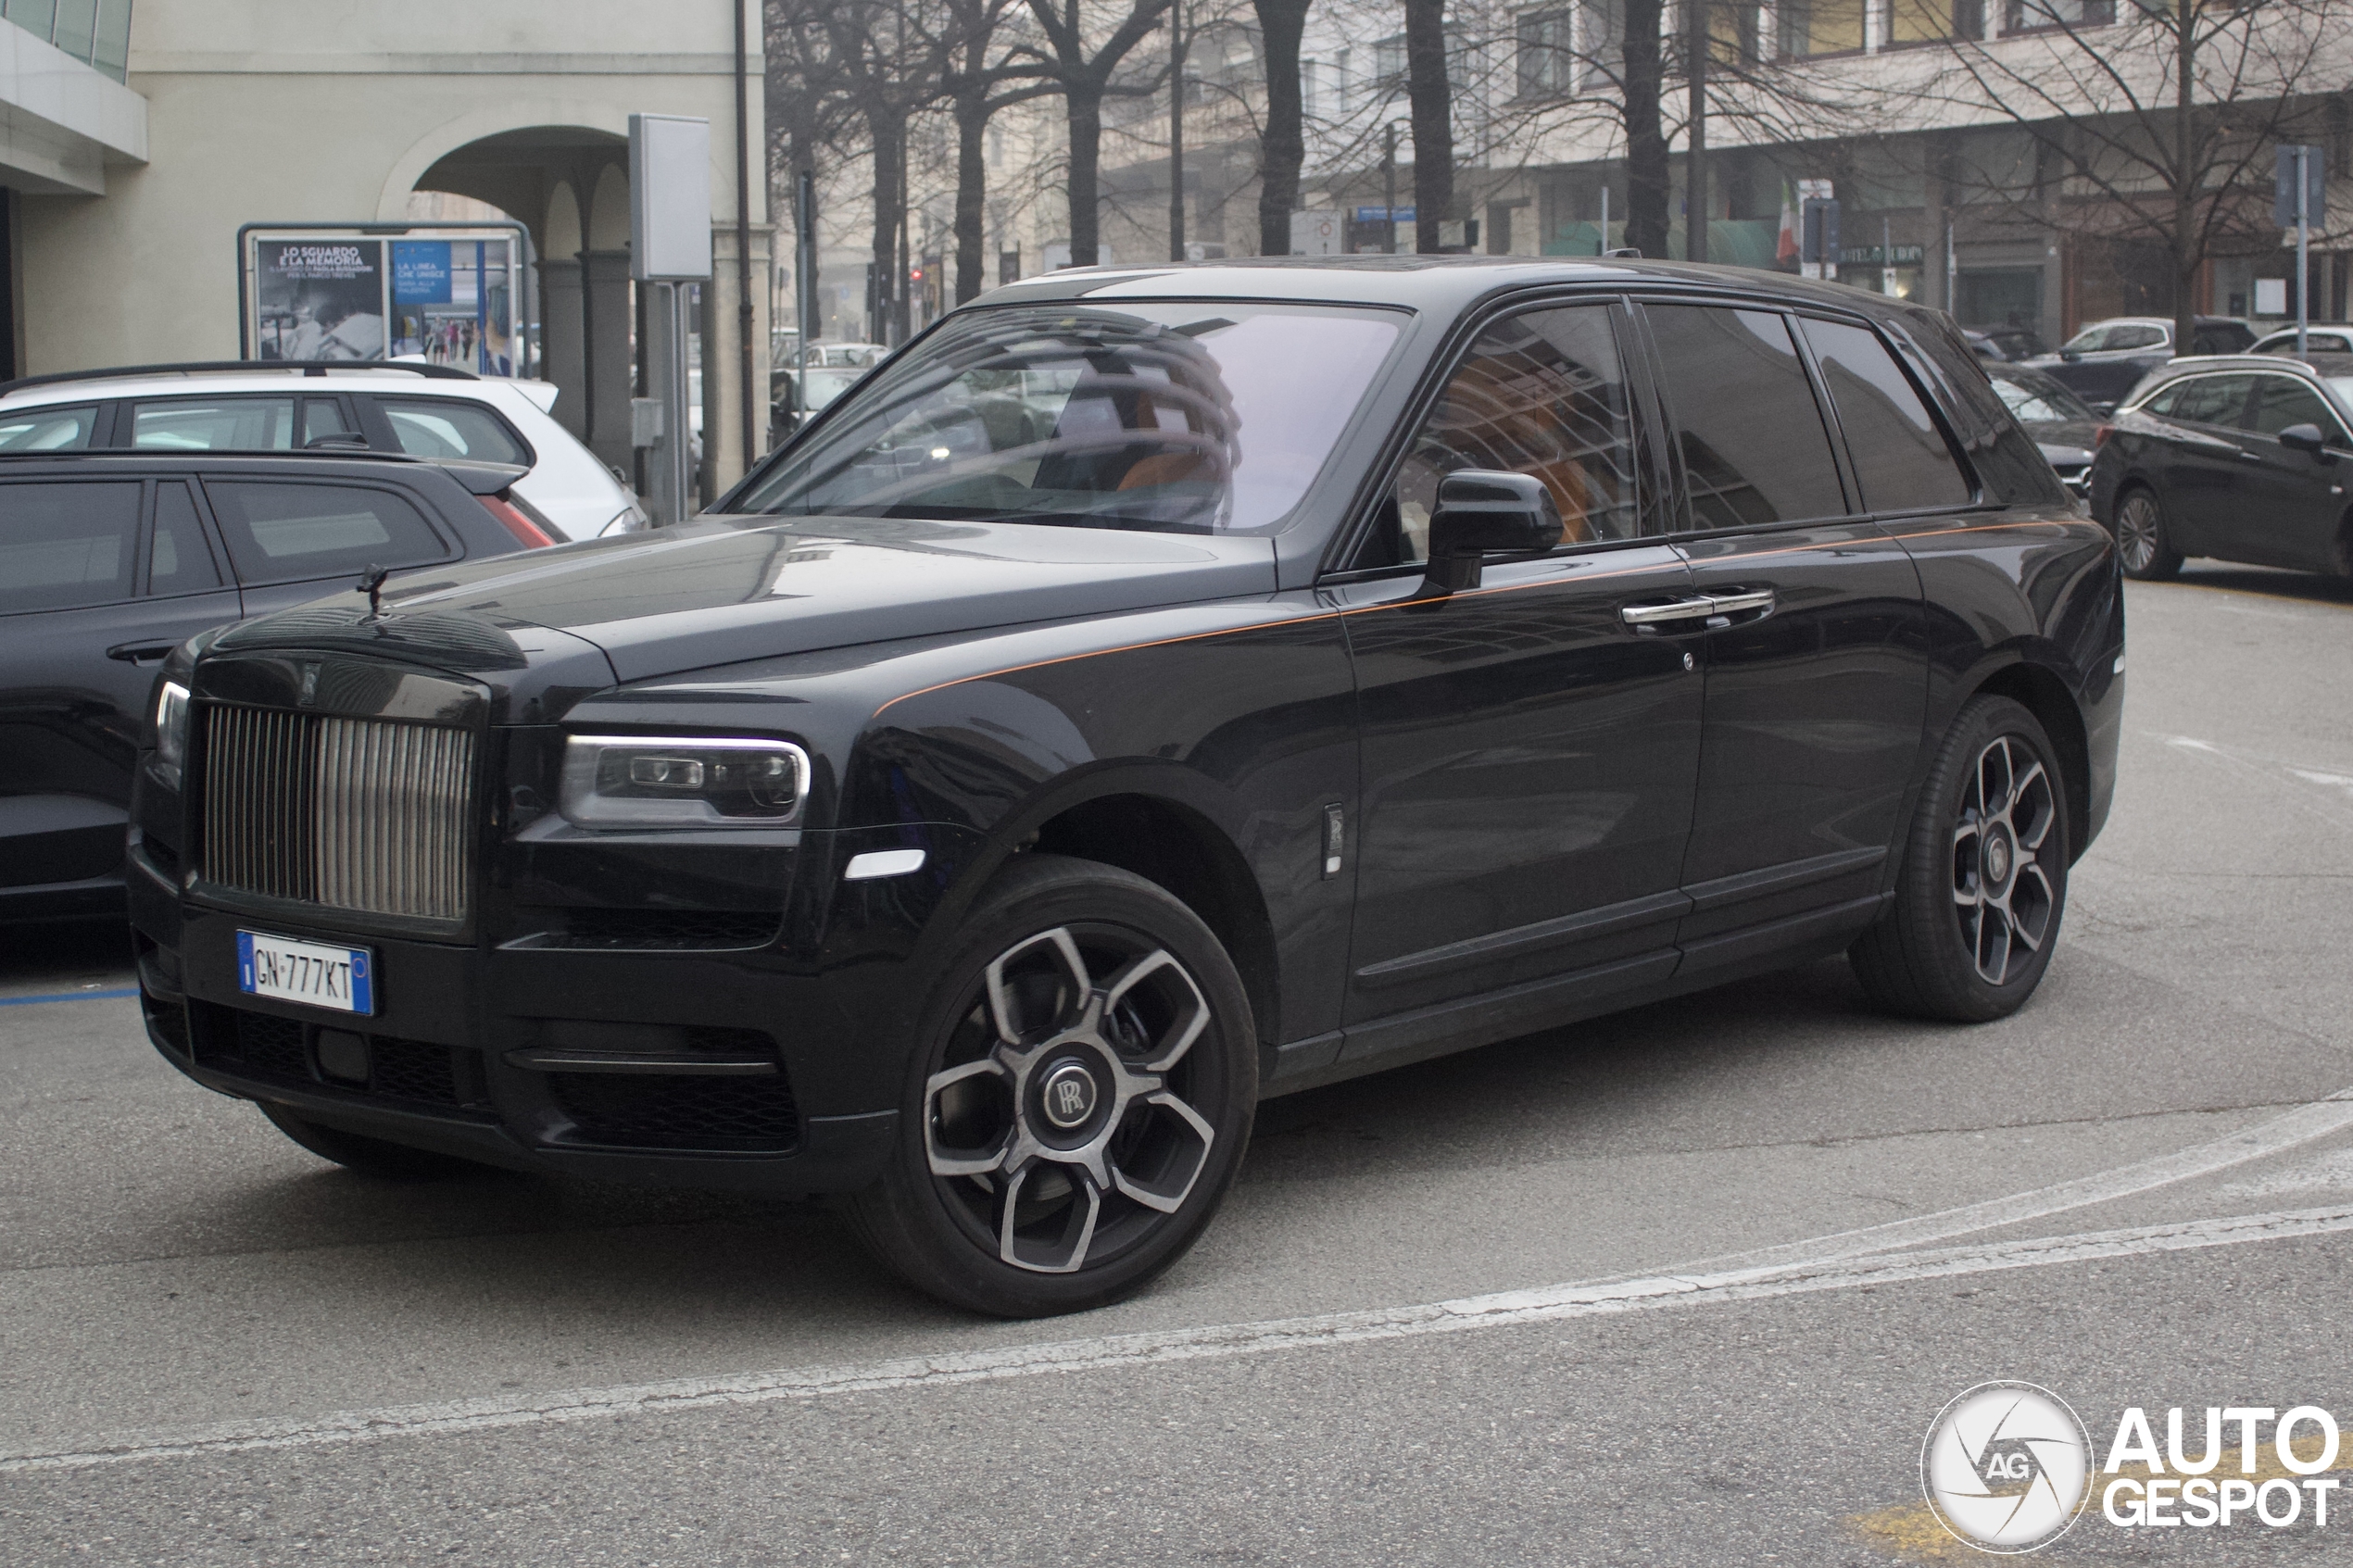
[680, 1111]
[357, 814]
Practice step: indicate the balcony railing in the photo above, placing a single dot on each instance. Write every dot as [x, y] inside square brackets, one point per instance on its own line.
[97, 32]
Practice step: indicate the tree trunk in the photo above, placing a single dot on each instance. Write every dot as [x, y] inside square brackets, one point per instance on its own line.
[1695, 47]
[1647, 175]
[883, 133]
[1085, 107]
[1433, 112]
[972, 193]
[1282, 148]
[2186, 248]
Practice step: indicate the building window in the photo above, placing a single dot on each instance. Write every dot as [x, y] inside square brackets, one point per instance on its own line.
[1601, 43]
[1827, 27]
[2030, 16]
[1389, 64]
[1546, 64]
[1932, 21]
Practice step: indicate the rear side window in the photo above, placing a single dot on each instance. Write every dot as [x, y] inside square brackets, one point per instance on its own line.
[67, 544]
[1743, 410]
[286, 532]
[2282, 401]
[1901, 458]
[213, 424]
[2212, 400]
[47, 430]
[2135, 338]
[451, 427]
[177, 559]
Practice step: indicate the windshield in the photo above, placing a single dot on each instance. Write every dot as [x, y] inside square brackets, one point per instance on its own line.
[1167, 417]
[820, 387]
[2040, 400]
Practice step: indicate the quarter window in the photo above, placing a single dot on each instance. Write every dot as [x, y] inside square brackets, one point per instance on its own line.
[288, 531]
[67, 544]
[1901, 458]
[1541, 394]
[449, 427]
[1754, 446]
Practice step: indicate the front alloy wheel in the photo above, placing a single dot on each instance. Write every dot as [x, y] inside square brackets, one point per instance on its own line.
[1088, 1074]
[2003, 895]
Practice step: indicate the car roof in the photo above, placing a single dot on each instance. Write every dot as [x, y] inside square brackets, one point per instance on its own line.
[408, 381]
[1435, 283]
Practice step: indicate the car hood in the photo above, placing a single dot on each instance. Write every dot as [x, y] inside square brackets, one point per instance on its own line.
[719, 591]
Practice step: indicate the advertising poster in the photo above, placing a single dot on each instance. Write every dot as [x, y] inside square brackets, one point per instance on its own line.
[453, 301]
[320, 298]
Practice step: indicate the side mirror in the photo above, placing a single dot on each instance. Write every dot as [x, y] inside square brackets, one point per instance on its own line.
[1484, 512]
[2071, 354]
[2307, 438]
[2102, 410]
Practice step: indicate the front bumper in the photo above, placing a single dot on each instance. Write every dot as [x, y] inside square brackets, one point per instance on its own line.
[637, 1066]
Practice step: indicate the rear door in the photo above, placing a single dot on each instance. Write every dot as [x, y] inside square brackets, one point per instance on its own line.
[2294, 501]
[1816, 667]
[100, 580]
[2202, 468]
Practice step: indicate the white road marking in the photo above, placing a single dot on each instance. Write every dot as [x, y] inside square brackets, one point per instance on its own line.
[1216, 1342]
[2269, 769]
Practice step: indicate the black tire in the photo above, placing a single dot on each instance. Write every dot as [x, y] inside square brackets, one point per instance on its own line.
[370, 1157]
[2142, 542]
[995, 1090]
[1983, 885]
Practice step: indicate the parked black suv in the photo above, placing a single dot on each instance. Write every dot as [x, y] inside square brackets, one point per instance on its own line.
[108, 562]
[2242, 457]
[1154, 688]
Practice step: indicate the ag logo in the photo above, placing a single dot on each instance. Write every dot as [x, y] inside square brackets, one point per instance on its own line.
[2007, 1467]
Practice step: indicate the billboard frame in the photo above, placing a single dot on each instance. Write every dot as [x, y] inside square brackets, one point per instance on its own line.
[522, 262]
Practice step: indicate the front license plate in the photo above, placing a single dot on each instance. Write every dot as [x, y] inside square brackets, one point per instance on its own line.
[340, 978]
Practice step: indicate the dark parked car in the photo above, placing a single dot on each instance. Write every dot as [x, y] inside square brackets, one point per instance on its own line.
[108, 562]
[1153, 689]
[2101, 363]
[2061, 423]
[2003, 344]
[2241, 459]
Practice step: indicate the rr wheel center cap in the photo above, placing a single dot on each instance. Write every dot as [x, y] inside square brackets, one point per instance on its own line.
[1067, 1096]
[1998, 857]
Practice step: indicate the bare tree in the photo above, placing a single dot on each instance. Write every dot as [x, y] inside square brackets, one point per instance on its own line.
[1085, 78]
[977, 87]
[1432, 109]
[1282, 145]
[2163, 118]
[889, 66]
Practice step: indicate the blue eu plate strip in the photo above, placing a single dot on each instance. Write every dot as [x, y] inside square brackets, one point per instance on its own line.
[67, 996]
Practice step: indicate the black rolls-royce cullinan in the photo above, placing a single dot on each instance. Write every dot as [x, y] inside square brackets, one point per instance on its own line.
[1151, 690]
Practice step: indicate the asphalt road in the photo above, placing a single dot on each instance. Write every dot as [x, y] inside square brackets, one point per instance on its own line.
[1400, 1344]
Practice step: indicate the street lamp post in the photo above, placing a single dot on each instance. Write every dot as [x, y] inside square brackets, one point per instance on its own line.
[1389, 188]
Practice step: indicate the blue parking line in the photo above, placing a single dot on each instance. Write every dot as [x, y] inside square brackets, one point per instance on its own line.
[67, 997]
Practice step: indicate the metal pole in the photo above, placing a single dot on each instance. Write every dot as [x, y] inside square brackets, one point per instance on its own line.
[805, 264]
[1886, 255]
[1952, 277]
[1388, 189]
[682, 448]
[1603, 248]
[2303, 240]
[1176, 132]
[745, 317]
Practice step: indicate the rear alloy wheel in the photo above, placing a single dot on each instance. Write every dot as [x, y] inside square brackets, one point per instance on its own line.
[1089, 1076]
[1983, 882]
[2141, 539]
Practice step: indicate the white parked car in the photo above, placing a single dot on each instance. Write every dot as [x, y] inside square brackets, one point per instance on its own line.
[396, 405]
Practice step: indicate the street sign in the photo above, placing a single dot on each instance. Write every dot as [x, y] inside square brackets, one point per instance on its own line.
[1316, 233]
[669, 199]
[1818, 237]
[1380, 215]
[2284, 186]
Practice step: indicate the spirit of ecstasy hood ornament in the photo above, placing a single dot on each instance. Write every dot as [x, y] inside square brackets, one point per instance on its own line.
[372, 582]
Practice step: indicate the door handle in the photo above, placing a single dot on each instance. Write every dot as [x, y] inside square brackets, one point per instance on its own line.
[2247, 457]
[141, 653]
[1740, 601]
[1650, 618]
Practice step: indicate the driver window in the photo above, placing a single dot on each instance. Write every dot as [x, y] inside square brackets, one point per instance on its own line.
[1544, 394]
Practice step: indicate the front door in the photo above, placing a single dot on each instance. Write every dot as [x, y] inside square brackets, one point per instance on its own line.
[1817, 673]
[2202, 470]
[2294, 501]
[1529, 751]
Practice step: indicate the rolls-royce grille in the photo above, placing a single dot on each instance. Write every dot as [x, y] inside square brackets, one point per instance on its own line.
[352, 813]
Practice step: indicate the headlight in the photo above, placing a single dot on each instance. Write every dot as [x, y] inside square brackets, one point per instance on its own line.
[660, 782]
[172, 724]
